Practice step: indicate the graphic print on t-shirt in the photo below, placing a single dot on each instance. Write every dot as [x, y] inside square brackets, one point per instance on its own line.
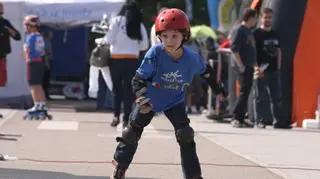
[270, 46]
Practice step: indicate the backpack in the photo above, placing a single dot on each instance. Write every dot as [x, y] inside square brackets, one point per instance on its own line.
[100, 56]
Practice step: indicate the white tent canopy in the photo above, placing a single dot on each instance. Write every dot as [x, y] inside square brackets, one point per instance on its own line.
[50, 11]
[71, 10]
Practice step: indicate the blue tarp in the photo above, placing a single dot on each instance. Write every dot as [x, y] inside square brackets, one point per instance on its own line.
[70, 52]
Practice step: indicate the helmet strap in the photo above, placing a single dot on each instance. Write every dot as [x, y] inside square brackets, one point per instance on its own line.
[183, 41]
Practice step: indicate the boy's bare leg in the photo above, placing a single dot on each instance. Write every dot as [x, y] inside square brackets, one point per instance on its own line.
[38, 96]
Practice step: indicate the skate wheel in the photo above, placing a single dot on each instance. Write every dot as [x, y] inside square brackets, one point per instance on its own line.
[28, 118]
[49, 117]
[25, 117]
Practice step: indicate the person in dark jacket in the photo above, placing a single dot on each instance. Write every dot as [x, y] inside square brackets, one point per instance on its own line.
[6, 31]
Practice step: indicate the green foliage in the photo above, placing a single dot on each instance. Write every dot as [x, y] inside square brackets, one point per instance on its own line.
[150, 8]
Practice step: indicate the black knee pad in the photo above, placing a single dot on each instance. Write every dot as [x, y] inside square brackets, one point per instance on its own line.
[130, 135]
[185, 134]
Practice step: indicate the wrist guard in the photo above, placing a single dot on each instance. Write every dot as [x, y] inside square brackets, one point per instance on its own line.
[139, 86]
[210, 76]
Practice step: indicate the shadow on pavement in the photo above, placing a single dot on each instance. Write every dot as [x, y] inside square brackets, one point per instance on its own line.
[75, 106]
[35, 174]
[214, 132]
[10, 137]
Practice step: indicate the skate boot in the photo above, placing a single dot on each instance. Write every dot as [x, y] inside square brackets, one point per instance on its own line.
[32, 114]
[118, 173]
[44, 112]
[37, 112]
[44, 115]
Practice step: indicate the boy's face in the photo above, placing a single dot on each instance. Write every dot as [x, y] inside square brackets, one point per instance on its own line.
[171, 39]
[28, 28]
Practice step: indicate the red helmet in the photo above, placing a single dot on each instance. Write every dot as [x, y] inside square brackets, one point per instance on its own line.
[172, 19]
[32, 20]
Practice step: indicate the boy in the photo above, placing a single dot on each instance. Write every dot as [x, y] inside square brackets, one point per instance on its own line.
[34, 51]
[159, 84]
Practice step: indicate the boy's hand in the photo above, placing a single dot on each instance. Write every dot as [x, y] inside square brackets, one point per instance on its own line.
[145, 109]
[145, 104]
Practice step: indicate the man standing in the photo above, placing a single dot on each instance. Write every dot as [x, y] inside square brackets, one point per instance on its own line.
[269, 52]
[6, 31]
[244, 51]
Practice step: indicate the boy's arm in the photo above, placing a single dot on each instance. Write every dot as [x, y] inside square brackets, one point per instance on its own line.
[210, 77]
[208, 73]
[144, 73]
[27, 46]
[139, 86]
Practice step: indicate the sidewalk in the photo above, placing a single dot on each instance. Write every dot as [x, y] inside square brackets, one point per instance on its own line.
[292, 154]
[81, 145]
[6, 115]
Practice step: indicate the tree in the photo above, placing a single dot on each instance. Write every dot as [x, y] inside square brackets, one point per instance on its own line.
[150, 8]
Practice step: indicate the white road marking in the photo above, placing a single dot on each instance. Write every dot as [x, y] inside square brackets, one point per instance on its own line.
[59, 125]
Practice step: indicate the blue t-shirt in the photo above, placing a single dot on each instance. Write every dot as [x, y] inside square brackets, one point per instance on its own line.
[34, 47]
[167, 79]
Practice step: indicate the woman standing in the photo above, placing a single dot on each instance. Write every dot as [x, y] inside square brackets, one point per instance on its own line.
[127, 36]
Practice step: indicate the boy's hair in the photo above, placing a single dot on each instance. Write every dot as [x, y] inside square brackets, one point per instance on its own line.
[248, 13]
[267, 10]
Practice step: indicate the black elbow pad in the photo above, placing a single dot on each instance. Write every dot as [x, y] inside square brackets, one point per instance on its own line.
[139, 86]
[210, 76]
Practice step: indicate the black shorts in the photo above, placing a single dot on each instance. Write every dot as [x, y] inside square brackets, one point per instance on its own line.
[35, 72]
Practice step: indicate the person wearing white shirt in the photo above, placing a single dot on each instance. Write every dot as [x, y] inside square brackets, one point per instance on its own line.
[153, 37]
[127, 36]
